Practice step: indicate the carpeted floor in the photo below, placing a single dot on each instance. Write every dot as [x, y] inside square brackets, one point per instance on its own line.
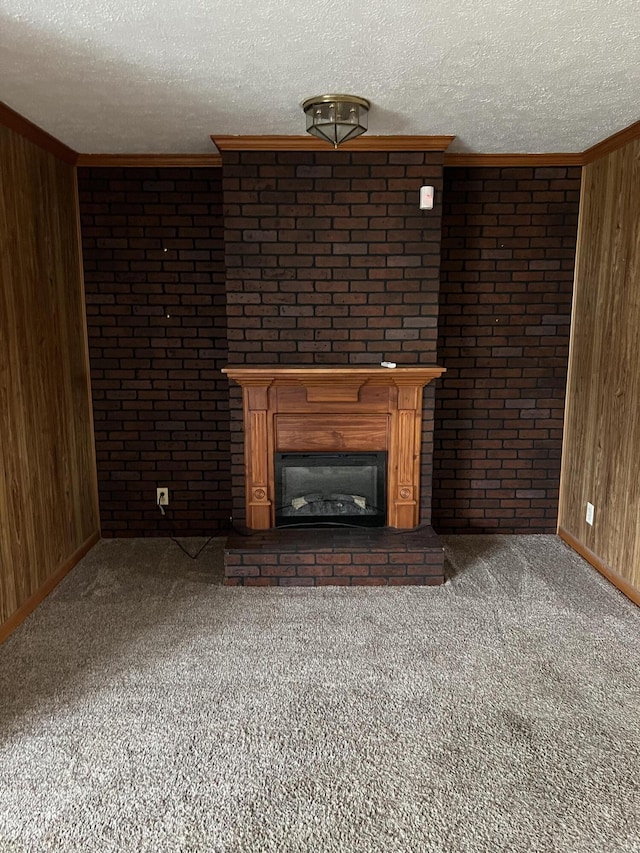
[144, 707]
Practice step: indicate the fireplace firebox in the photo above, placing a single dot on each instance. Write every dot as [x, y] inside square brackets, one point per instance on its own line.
[330, 489]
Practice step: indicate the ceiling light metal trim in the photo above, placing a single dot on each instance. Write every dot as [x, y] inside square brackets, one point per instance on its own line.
[336, 118]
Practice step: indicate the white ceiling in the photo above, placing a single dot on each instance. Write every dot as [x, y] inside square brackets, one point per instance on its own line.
[161, 75]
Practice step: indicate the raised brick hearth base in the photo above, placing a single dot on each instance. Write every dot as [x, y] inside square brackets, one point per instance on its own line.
[362, 557]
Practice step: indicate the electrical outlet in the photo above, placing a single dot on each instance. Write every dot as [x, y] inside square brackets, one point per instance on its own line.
[162, 496]
[590, 511]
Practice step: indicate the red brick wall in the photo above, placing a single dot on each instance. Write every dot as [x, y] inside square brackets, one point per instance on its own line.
[330, 260]
[508, 245]
[153, 245]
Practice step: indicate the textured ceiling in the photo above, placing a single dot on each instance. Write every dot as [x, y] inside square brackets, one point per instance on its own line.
[161, 75]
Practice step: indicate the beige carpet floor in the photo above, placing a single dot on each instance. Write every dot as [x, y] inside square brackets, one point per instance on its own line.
[144, 707]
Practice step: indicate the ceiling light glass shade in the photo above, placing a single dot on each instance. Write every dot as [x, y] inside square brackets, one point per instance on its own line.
[336, 118]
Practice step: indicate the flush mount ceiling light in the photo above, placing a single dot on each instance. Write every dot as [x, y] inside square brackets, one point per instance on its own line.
[336, 118]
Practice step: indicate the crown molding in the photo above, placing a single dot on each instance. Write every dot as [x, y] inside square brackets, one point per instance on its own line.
[310, 143]
[149, 160]
[600, 149]
[470, 159]
[612, 143]
[14, 121]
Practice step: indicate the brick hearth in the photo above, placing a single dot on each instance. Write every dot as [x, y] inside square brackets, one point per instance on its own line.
[363, 557]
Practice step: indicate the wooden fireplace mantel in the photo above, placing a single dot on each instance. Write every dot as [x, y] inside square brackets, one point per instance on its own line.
[325, 408]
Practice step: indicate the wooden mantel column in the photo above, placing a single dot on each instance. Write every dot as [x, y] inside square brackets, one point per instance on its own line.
[404, 464]
[257, 425]
[333, 409]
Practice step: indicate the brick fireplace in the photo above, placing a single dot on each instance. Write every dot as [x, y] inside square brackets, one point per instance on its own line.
[329, 262]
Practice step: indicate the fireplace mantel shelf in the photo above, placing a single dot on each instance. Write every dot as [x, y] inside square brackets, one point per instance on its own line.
[415, 373]
[332, 384]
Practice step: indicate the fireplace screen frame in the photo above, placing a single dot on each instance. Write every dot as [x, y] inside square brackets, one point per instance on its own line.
[323, 459]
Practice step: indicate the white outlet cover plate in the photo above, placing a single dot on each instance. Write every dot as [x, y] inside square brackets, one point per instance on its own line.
[590, 511]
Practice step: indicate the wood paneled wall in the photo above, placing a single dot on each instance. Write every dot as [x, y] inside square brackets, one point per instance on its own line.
[48, 504]
[601, 457]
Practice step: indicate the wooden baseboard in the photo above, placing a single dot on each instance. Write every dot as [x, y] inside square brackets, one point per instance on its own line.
[39, 595]
[623, 585]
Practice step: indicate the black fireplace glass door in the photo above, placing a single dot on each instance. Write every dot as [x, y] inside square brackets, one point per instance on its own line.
[330, 489]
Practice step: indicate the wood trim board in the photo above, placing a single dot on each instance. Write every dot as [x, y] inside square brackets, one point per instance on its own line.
[85, 333]
[612, 143]
[310, 143]
[144, 161]
[500, 160]
[606, 571]
[13, 120]
[336, 375]
[18, 123]
[40, 594]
